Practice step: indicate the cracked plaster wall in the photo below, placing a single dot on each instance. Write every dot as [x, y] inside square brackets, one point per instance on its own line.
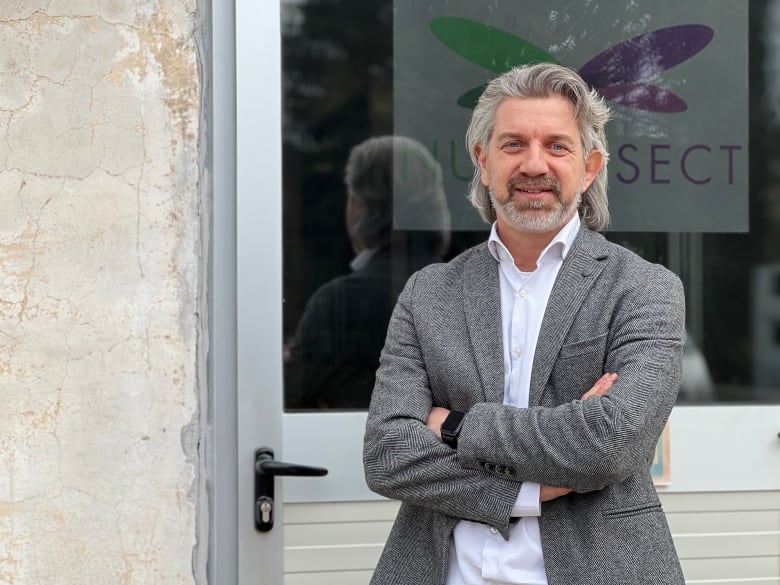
[100, 291]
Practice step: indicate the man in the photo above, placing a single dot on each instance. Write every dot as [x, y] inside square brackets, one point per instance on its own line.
[524, 385]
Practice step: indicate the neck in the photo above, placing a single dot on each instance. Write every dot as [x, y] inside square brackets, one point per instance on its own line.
[525, 247]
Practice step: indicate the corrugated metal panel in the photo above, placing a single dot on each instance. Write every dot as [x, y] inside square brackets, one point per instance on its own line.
[333, 578]
[340, 512]
[724, 521]
[711, 501]
[724, 538]
[336, 533]
[332, 557]
[731, 570]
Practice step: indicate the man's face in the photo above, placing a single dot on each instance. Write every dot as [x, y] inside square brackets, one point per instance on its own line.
[534, 164]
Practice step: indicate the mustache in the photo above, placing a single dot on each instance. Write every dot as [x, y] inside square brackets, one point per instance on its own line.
[543, 184]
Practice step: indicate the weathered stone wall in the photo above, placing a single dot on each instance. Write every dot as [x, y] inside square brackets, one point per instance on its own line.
[100, 291]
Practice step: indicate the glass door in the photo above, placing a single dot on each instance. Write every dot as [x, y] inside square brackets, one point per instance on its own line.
[319, 257]
[345, 82]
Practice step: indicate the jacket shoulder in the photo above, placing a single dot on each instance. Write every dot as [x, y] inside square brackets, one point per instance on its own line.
[625, 264]
[442, 273]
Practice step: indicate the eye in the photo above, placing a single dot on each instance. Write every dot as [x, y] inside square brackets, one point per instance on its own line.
[560, 148]
[512, 145]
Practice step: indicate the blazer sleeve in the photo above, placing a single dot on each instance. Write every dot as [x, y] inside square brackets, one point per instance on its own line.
[402, 458]
[586, 445]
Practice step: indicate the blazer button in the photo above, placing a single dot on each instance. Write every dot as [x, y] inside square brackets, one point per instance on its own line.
[480, 463]
[509, 472]
[490, 466]
[500, 469]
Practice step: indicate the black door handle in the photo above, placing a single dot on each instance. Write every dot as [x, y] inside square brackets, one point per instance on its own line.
[265, 464]
[266, 469]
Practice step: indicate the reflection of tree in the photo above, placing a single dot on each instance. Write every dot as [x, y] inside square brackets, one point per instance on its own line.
[764, 75]
[338, 70]
[770, 112]
[337, 62]
[728, 297]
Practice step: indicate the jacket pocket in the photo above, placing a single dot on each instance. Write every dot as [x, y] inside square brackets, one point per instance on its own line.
[584, 347]
[577, 368]
[632, 510]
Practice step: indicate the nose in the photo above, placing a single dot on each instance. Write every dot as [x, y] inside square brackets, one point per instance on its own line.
[533, 162]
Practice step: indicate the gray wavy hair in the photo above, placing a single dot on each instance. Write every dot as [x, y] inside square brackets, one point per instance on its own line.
[590, 111]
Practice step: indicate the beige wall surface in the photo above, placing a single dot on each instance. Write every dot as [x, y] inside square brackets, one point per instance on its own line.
[100, 292]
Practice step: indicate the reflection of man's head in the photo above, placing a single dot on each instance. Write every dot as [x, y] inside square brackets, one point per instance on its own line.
[385, 167]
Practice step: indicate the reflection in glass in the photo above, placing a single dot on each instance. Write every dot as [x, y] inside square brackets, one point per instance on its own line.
[338, 92]
[335, 351]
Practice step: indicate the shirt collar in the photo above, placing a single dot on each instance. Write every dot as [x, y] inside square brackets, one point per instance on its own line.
[559, 245]
[362, 258]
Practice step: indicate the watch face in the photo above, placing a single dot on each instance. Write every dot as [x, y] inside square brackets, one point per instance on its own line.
[452, 423]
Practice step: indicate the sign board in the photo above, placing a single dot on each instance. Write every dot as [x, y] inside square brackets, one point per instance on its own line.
[675, 74]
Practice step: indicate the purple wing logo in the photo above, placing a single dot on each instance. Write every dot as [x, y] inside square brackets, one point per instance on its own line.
[623, 73]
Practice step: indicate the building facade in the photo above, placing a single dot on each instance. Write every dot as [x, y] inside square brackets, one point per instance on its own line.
[175, 214]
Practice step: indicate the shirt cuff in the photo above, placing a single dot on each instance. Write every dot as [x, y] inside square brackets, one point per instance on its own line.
[527, 503]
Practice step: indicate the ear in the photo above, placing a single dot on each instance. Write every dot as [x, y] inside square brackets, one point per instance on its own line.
[481, 154]
[593, 163]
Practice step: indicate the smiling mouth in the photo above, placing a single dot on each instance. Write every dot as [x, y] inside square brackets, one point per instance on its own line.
[534, 187]
[533, 191]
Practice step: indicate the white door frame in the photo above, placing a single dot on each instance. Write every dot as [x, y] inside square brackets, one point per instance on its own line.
[221, 463]
[245, 331]
[245, 373]
[259, 274]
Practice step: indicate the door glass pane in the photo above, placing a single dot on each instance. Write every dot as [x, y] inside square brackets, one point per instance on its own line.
[344, 263]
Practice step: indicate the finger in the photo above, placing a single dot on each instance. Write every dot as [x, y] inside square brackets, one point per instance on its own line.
[605, 383]
[548, 492]
[601, 386]
[436, 418]
[595, 389]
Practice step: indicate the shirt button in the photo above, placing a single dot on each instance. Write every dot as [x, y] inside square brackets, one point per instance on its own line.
[521, 294]
[493, 530]
[518, 351]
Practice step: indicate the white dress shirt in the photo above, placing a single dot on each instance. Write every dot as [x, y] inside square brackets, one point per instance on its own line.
[479, 554]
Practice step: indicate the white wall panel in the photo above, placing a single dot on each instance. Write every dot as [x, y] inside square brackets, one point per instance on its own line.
[724, 538]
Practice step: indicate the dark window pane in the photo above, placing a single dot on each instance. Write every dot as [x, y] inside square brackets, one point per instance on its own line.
[338, 93]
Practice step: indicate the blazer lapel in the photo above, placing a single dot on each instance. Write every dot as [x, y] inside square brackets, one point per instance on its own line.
[579, 271]
[482, 305]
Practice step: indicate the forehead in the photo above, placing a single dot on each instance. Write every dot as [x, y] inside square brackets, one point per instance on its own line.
[537, 115]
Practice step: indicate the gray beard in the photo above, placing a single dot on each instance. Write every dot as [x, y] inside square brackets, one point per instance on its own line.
[534, 216]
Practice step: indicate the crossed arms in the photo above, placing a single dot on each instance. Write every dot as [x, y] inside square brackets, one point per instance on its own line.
[580, 445]
[547, 492]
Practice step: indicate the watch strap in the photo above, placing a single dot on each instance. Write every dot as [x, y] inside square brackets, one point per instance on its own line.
[450, 428]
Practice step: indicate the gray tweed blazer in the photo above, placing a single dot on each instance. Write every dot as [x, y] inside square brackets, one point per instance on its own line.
[609, 311]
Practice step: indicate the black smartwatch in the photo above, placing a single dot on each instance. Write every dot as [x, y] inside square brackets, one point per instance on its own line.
[450, 428]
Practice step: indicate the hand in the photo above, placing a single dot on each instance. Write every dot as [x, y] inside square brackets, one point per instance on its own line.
[436, 418]
[550, 492]
[601, 386]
